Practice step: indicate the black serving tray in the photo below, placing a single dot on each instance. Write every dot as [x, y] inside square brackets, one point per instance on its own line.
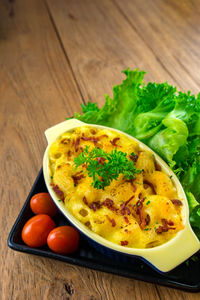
[186, 276]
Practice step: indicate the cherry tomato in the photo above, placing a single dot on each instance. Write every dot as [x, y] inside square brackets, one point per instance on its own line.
[43, 204]
[36, 230]
[63, 240]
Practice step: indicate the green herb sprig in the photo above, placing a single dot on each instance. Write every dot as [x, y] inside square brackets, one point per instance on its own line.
[104, 166]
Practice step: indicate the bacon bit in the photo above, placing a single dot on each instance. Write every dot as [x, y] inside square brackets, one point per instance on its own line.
[102, 136]
[159, 230]
[129, 200]
[176, 202]
[128, 210]
[157, 167]
[139, 203]
[126, 219]
[77, 177]
[93, 131]
[76, 144]
[124, 210]
[165, 226]
[140, 196]
[147, 219]
[134, 157]
[92, 139]
[85, 200]
[65, 141]
[112, 221]
[113, 142]
[143, 224]
[84, 166]
[69, 153]
[58, 191]
[126, 230]
[101, 160]
[170, 223]
[138, 210]
[95, 205]
[166, 222]
[109, 204]
[124, 243]
[151, 186]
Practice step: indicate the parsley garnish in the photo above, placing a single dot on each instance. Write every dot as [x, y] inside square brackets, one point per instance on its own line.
[104, 166]
[148, 202]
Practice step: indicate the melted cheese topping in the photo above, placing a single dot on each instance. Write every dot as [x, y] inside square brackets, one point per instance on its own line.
[140, 213]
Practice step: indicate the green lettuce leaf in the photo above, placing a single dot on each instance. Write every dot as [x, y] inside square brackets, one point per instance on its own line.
[168, 141]
[195, 220]
[166, 120]
[155, 101]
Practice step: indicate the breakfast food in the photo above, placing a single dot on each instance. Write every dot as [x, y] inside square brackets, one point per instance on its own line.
[139, 210]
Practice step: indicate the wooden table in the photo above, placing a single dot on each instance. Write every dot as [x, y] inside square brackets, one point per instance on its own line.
[55, 55]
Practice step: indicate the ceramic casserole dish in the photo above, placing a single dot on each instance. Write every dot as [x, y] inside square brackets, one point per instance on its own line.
[164, 257]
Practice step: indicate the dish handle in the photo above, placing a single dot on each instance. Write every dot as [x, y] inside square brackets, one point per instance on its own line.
[55, 131]
[176, 251]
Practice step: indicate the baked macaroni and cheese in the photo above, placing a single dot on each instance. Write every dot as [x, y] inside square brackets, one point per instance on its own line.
[114, 188]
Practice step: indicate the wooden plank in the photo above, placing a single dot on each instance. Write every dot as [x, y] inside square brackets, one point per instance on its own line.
[100, 43]
[37, 90]
[171, 29]
[172, 294]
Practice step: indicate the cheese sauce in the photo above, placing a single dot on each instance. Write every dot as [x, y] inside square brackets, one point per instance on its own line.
[142, 213]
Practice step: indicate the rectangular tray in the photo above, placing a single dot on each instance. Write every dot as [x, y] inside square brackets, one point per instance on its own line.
[186, 276]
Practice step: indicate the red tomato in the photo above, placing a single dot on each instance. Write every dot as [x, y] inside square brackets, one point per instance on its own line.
[36, 230]
[43, 204]
[63, 240]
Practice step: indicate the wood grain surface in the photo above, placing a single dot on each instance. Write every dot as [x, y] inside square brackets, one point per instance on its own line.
[54, 55]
